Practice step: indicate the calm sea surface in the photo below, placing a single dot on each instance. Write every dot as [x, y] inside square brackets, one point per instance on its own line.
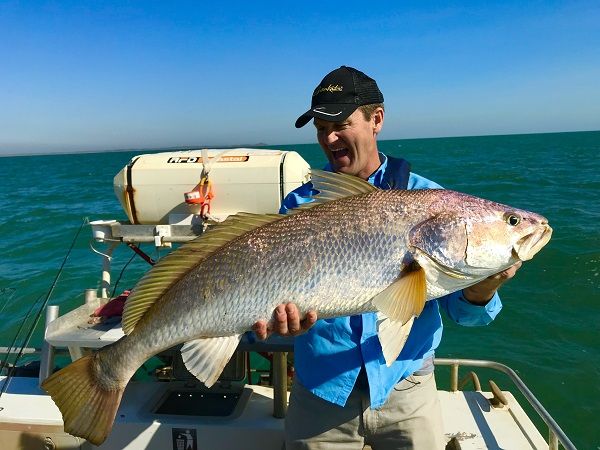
[547, 331]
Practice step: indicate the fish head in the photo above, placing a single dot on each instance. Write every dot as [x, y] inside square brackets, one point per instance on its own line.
[472, 237]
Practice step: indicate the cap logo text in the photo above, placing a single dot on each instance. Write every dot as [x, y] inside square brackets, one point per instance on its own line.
[330, 88]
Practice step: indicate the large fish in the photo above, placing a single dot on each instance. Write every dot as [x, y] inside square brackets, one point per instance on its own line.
[354, 249]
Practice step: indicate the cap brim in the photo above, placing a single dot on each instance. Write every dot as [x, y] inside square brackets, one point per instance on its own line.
[331, 113]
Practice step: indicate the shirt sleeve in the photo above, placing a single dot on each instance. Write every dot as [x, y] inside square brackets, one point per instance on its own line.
[297, 197]
[418, 182]
[467, 314]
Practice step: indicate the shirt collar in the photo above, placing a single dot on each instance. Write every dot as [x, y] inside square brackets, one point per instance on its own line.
[376, 178]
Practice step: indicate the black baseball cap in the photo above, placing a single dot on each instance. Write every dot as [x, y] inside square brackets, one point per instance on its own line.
[339, 94]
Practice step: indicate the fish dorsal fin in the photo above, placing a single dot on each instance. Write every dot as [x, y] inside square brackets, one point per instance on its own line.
[333, 186]
[176, 264]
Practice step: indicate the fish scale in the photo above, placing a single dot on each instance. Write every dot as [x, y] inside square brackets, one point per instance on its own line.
[268, 266]
[313, 265]
[373, 250]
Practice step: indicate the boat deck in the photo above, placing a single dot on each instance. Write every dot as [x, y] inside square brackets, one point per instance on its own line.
[29, 416]
[469, 416]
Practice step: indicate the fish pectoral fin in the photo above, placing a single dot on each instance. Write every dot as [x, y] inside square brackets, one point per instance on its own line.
[206, 358]
[404, 298]
[399, 303]
[392, 337]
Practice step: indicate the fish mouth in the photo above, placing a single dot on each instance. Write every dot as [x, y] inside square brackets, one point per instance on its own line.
[527, 247]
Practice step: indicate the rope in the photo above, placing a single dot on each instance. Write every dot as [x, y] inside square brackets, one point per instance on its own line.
[204, 194]
[121, 275]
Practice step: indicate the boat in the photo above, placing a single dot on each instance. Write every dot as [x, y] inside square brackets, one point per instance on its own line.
[171, 198]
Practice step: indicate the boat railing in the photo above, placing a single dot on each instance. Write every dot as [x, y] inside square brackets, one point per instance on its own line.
[280, 347]
[555, 434]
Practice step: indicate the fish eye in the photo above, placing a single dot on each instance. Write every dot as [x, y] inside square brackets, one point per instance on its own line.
[512, 219]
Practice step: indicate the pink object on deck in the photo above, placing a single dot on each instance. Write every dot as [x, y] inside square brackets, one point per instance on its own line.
[113, 308]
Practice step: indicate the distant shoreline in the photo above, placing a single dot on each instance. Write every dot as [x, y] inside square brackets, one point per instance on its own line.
[263, 145]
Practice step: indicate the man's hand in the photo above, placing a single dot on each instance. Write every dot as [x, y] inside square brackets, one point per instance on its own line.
[482, 292]
[285, 322]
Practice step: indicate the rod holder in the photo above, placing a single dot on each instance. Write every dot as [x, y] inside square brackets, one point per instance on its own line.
[47, 353]
[454, 377]
[90, 296]
[279, 384]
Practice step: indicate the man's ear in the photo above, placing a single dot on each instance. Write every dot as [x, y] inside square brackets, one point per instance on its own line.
[377, 119]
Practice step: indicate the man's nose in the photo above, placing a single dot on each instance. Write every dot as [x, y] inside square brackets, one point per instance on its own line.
[330, 137]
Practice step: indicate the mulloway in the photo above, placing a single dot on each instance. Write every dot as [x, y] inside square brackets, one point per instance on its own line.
[354, 249]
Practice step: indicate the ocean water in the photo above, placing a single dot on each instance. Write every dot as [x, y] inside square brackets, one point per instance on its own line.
[547, 330]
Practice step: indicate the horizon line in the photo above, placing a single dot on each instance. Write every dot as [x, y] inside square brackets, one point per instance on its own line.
[262, 144]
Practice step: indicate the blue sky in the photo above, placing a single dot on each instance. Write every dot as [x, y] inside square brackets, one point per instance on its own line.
[107, 75]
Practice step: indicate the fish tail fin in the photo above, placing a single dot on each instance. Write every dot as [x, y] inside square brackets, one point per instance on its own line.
[87, 407]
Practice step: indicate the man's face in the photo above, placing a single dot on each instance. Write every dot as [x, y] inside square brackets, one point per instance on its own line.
[351, 145]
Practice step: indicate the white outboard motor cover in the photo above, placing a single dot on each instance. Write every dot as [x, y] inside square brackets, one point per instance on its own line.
[152, 187]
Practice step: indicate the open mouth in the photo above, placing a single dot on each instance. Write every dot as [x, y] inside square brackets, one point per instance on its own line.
[338, 154]
[528, 246]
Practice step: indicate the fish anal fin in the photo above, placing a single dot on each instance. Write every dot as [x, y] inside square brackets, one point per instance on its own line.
[392, 337]
[404, 298]
[205, 358]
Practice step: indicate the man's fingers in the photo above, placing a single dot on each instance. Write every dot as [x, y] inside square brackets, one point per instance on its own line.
[309, 320]
[285, 322]
[293, 319]
[260, 329]
[512, 270]
[279, 323]
[508, 273]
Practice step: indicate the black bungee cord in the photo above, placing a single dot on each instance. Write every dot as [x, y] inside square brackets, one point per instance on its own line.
[39, 313]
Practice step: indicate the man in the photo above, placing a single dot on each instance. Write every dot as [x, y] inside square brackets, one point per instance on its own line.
[344, 395]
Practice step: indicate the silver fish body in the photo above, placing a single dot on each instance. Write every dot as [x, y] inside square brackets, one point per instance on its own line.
[333, 259]
[341, 257]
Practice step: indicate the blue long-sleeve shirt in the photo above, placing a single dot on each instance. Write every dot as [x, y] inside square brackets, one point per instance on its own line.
[328, 357]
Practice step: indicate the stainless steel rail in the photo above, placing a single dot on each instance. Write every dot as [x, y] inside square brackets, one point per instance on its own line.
[280, 347]
[47, 354]
[556, 434]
